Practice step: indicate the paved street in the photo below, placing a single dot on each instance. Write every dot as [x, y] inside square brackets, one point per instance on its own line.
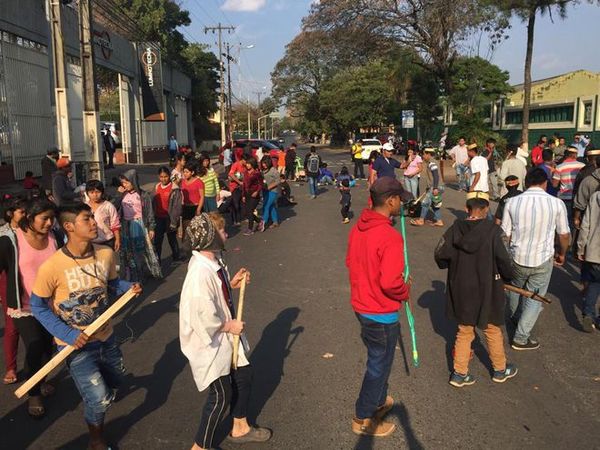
[297, 309]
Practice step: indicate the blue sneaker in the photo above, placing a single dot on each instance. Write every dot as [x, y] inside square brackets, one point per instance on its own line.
[458, 380]
[500, 376]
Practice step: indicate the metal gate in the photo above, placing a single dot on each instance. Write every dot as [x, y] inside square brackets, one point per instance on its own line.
[26, 122]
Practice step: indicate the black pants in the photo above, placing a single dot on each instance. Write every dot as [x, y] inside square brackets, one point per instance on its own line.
[230, 390]
[162, 228]
[108, 158]
[359, 170]
[236, 205]
[251, 204]
[38, 346]
[345, 210]
[290, 172]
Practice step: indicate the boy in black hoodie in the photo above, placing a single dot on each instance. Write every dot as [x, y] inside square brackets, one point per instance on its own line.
[475, 254]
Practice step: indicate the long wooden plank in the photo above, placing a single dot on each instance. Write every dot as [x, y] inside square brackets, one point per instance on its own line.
[66, 351]
[239, 315]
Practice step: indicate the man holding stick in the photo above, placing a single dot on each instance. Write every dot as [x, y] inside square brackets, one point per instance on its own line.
[71, 290]
[375, 261]
[207, 326]
[531, 221]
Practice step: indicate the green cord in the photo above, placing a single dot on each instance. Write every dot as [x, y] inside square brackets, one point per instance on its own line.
[409, 315]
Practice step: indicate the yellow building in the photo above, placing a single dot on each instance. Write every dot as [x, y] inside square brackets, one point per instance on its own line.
[565, 104]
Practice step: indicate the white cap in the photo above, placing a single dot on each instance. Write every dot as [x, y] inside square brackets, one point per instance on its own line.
[388, 146]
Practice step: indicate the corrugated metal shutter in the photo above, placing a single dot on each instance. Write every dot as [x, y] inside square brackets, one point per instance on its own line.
[31, 124]
[181, 121]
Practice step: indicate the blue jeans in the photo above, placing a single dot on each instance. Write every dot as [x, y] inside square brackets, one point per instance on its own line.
[326, 179]
[97, 370]
[412, 185]
[461, 176]
[426, 205]
[536, 279]
[380, 340]
[270, 206]
[312, 185]
[590, 299]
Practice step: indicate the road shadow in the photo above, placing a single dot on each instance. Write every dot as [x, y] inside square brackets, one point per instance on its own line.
[268, 358]
[458, 213]
[157, 385]
[563, 286]
[410, 439]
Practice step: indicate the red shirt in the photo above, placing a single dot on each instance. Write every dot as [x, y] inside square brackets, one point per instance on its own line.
[536, 155]
[375, 261]
[161, 200]
[191, 191]
[29, 183]
[253, 182]
[238, 166]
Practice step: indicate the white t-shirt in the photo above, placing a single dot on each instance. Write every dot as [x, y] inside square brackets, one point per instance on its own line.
[480, 165]
[460, 154]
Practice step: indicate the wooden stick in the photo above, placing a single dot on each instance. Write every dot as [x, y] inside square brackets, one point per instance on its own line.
[66, 351]
[239, 315]
[528, 294]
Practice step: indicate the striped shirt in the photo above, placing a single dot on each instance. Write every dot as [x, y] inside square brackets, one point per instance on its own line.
[566, 174]
[211, 183]
[531, 221]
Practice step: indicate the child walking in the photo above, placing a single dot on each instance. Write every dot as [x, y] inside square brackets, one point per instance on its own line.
[207, 325]
[211, 183]
[475, 254]
[168, 202]
[345, 200]
[105, 215]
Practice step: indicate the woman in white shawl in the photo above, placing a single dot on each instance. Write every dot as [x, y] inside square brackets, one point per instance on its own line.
[207, 325]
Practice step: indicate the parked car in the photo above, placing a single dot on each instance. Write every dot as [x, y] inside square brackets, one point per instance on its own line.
[369, 145]
[115, 131]
[254, 145]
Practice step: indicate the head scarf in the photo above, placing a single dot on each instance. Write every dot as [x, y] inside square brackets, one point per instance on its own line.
[203, 234]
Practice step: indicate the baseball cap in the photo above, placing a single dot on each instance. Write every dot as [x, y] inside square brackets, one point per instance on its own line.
[389, 185]
[388, 146]
[63, 162]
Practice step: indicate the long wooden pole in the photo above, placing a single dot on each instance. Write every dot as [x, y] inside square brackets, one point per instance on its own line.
[528, 294]
[239, 315]
[66, 351]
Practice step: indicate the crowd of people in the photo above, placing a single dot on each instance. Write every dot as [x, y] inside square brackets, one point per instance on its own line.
[66, 252]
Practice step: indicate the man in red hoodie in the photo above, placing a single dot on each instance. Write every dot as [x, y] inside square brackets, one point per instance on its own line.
[375, 261]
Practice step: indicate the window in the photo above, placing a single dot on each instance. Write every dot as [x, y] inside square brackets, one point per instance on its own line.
[543, 115]
[587, 113]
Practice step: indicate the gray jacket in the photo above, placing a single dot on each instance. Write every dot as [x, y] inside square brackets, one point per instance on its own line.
[589, 234]
[62, 191]
[587, 187]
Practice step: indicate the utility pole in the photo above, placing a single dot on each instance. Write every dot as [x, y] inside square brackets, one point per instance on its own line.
[60, 78]
[219, 29]
[258, 94]
[91, 136]
[229, 107]
[249, 120]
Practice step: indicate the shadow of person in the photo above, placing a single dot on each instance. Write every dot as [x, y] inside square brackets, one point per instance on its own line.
[157, 385]
[268, 358]
[410, 439]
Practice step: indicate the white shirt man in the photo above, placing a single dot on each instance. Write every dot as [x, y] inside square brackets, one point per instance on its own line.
[479, 171]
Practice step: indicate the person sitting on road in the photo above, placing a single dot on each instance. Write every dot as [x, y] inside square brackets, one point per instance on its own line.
[286, 198]
[325, 175]
[475, 254]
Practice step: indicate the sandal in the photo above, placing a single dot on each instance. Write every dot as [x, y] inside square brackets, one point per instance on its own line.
[10, 377]
[47, 389]
[417, 223]
[35, 407]
[256, 434]
[439, 223]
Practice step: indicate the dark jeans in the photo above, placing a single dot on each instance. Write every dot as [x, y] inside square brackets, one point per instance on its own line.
[290, 172]
[236, 205]
[162, 228]
[380, 340]
[345, 210]
[38, 346]
[109, 158]
[97, 370]
[359, 170]
[251, 204]
[227, 390]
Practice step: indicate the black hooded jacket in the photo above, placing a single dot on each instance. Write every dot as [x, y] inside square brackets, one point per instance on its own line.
[478, 263]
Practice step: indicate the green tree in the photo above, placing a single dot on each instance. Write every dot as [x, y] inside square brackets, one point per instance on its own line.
[527, 11]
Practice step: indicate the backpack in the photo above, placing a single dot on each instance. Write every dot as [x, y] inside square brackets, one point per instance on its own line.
[313, 163]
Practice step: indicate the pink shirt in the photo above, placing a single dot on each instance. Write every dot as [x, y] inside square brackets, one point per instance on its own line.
[30, 260]
[132, 206]
[413, 166]
[107, 218]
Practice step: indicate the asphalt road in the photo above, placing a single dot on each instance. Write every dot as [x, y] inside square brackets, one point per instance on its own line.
[297, 310]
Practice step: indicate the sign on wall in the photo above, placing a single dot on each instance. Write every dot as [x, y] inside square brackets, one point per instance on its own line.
[151, 83]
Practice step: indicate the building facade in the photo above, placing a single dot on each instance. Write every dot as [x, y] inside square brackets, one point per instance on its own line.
[27, 99]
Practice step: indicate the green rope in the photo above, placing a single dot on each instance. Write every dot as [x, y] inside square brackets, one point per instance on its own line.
[409, 315]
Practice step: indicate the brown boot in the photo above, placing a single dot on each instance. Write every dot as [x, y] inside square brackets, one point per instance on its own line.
[372, 427]
[384, 409]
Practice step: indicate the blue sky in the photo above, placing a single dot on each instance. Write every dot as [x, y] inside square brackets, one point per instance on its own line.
[269, 25]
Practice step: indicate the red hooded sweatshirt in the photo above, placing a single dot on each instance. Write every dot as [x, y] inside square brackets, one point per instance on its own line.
[375, 261]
